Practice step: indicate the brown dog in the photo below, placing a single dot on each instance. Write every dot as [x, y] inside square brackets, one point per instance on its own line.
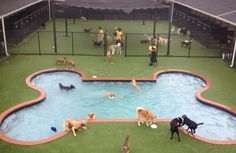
[60, 60]
[70, 63]
[146, 115]
[125, 147]
[73, 125]
[91, 115]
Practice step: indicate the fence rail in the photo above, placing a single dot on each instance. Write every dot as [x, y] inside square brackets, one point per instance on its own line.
[135, 44]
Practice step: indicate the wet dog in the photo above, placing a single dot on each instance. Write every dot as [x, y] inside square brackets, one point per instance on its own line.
[97, 44]
[67, 88]
[73, 125]
[191, 124]
[91, 115]
[125, 146]
[144, 114]
[174, 126]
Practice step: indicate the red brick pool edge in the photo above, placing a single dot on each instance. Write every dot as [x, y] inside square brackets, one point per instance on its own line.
[42, 96]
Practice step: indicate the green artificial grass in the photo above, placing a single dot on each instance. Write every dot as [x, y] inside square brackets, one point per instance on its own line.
[108, 137]
[83, 42]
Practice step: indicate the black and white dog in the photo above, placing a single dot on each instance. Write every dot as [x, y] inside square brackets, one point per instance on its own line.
[191, 124]
[67, 88]
[174, 125]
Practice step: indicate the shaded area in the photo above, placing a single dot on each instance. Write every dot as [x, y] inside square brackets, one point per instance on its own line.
[223, 9]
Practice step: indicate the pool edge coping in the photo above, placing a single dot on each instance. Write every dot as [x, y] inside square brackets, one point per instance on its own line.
[42, 96]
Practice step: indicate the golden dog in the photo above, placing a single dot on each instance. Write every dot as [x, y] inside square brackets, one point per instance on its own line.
[73, 125]
[60, 60]
[70, 63]
[142, 113]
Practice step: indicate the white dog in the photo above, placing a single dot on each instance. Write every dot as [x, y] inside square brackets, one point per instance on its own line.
[115, 49]
[73, 125]
[162, 41]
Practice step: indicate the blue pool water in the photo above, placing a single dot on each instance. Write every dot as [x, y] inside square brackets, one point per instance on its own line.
[173, 95]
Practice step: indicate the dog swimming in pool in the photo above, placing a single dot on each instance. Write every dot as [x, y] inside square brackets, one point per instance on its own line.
[67, 88]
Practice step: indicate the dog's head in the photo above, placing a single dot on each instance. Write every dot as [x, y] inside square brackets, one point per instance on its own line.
[84, 123]
[154, 119]
[125, 146]
[72, 87]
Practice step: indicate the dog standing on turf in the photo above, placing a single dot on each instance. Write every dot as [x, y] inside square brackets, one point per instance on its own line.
[144, 114]
[174, 126]
[115, 49]
[191, 124]
[125, 146]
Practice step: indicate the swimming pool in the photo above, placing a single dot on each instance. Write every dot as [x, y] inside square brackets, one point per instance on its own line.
[172, 95]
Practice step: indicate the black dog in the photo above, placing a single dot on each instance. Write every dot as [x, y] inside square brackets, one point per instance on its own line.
[97, 44]
[87, 30]
[191, 124]
[144, 41]
[186, 43]
[67, 88]
[174, 125]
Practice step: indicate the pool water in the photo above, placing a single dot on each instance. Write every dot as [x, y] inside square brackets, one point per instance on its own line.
[173, 95]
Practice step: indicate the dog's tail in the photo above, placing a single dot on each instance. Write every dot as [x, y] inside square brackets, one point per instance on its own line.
[139, 109]
[200, 123]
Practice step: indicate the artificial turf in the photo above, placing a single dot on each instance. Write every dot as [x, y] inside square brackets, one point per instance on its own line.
[78, 42]
[108, 137]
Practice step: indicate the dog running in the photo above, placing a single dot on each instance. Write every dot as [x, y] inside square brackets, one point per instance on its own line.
[191, 124]
[67, 88]
[174, 126]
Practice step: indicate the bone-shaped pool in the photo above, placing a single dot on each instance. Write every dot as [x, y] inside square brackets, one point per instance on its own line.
[171, 95]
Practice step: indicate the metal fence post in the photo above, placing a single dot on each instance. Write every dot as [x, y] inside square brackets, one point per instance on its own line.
[189, 49]
[39, 44]
[126, 40]
[72, 43]
[105, 43]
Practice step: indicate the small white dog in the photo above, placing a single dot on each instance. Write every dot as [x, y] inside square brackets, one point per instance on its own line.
[115, 49]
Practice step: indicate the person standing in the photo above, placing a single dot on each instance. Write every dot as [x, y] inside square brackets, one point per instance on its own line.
[100, 34]
[152, 53]
[119, 36]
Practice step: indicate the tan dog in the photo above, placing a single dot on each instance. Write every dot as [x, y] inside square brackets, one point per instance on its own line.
[73, 125]
[91, 115]
[133, 82]
[60, 60]
[70, 63]
[142, 113]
